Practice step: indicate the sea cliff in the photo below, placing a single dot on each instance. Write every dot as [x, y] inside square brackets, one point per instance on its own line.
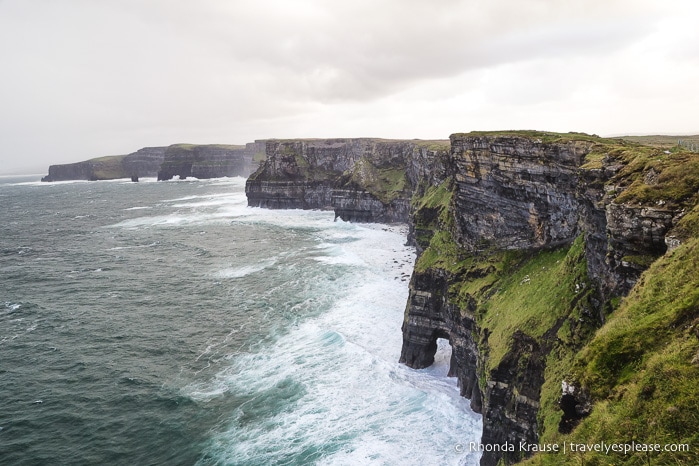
[533, 261]
[366, 180]
[208, 161]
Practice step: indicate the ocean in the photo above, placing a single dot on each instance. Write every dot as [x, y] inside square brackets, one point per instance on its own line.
[168, 323]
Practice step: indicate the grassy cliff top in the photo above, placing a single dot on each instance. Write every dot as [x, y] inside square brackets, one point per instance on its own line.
[662, 141]
[543, 136]
[186, 146]
[433, 144]
[108, 158]
[420, 142]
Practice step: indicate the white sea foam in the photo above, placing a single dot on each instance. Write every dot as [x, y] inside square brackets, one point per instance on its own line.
[47, 184]
[12, 306]
[333, 384]
[239, 272]
[214, 208]
[215, 200]
[119, 248]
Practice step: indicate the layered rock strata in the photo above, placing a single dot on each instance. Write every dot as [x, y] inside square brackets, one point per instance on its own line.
[205, 161]
[515, 193]
[144, 162]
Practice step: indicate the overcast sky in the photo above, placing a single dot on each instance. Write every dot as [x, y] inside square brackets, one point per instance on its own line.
[86, 78]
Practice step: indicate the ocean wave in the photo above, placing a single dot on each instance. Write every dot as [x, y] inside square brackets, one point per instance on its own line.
[239, 272]
[118, 248]
[340, 395]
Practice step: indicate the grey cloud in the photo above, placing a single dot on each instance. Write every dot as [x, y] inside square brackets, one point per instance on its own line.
[365, 49]
[393, 55]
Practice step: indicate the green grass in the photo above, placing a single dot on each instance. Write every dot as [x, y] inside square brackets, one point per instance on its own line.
[181, 146]
[545, 137]
[662, 141]
[642, 369]
[434, 197]
[108, 168]
[676, 182]
[688, 226]
[433, 226]
[108, 158]
[533, 297]
[386, 184]
[185, 146]
[442, 253]
[433, 145]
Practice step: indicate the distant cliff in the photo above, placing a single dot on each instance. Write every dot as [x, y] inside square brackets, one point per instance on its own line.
[209, 161]
[144, 162]
[360, 179]
[561, 268]
[182, 160]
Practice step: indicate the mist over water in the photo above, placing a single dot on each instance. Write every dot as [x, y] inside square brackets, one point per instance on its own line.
[168, 323]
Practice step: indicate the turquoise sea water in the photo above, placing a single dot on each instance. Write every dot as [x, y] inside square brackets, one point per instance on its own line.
[168, 323]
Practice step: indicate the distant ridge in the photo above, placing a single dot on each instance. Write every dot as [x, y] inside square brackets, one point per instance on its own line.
[181, 160]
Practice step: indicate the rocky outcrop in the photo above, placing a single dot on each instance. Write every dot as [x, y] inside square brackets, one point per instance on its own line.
[367, 180]
[71, 171]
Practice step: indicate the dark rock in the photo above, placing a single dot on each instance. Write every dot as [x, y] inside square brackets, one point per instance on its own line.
[144, 162]
[515, 192]
[207, 161]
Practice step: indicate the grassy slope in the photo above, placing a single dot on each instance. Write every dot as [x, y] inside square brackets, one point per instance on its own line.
[642, 370]
[386, 184]
[109, 167]
[542, 136]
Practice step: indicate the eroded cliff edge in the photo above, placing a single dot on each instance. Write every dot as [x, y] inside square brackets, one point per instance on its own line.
[532, 250]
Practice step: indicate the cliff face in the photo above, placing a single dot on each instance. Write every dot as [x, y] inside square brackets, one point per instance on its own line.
[205, 161]
[515, 193]
[144, 162]
[523, 248]
[70, 171]
[368, 180]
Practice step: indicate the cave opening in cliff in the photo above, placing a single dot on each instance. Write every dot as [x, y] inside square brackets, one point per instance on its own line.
[443, 357]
